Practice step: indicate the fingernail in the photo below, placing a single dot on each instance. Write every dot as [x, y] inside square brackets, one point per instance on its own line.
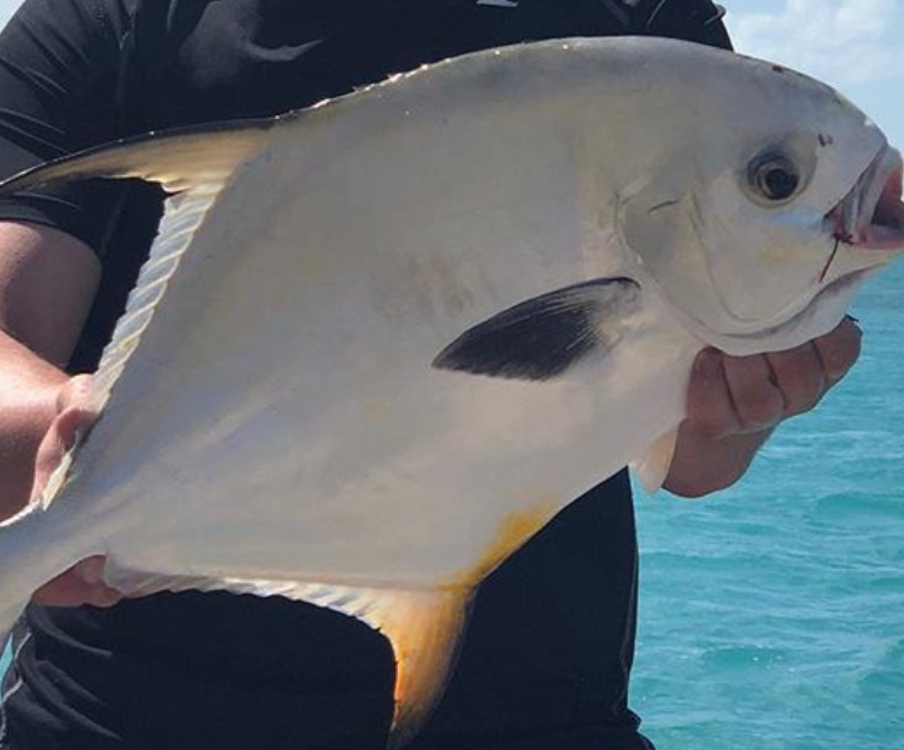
[855, 322]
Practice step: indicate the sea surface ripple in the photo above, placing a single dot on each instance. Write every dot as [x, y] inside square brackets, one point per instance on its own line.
[772, 614]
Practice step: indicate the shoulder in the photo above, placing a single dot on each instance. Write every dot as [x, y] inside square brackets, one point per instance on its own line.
[63, 47]
[692, 20]
[90, 20]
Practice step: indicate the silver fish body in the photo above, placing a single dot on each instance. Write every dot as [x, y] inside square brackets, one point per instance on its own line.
[381, 342]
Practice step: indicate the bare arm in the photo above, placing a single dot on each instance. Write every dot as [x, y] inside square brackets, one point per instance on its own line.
[47, 283]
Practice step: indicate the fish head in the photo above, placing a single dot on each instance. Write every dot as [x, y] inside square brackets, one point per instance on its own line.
[779, 197]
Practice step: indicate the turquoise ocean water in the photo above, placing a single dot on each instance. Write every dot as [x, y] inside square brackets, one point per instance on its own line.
[772, 615]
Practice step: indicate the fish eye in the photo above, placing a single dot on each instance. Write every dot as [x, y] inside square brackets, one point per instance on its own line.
[774, 177]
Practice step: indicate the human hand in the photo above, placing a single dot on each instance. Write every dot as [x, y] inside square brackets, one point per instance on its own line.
[734, 403]
[83, 583]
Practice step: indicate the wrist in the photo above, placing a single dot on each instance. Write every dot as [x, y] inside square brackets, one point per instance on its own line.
[702, 464]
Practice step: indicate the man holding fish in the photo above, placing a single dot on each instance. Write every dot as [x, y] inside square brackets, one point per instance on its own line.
[549, 648]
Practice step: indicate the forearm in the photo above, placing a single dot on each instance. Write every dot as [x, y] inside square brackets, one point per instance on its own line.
[47, 280]
[28, 393]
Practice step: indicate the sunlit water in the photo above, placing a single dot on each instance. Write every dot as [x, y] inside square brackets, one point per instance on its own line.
[772, 616]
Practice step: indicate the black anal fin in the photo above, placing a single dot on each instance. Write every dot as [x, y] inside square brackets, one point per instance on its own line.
[543, 337]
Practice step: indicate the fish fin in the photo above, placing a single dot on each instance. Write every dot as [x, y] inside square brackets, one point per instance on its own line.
[424, 626]
[543, 337]
[33, 551]
[13, 552]
[183, 215]
[179, 159]
[193, 166]
[653, 468]
[425, 629]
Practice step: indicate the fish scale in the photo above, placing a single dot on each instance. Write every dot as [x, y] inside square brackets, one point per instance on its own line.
[379, 343]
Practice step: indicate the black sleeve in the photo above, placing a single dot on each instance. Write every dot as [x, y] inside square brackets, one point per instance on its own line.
[691, 20]
[59, 67]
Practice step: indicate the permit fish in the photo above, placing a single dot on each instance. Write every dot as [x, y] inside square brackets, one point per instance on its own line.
[381, 342]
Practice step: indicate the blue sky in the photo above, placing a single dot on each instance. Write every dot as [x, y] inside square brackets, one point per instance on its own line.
[850, 44]
[854, 45]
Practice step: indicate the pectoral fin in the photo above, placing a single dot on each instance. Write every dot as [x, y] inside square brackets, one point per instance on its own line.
[653, 467]
[543, 337]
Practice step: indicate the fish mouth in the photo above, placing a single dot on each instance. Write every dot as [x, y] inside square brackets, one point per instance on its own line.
[871, 216]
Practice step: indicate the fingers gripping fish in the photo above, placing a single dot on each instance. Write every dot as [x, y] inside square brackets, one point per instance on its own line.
[380, 343]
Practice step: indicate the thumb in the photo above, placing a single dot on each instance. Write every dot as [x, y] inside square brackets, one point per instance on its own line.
[72, 406]
[72, 418]
[83, 583]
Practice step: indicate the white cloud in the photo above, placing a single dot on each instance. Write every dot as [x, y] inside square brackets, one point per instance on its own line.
[7, 8]
[840, 41]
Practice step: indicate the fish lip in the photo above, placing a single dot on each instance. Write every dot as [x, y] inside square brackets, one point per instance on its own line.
[871, 215]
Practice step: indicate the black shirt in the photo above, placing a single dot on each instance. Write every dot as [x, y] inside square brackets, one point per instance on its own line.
[546, 660]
